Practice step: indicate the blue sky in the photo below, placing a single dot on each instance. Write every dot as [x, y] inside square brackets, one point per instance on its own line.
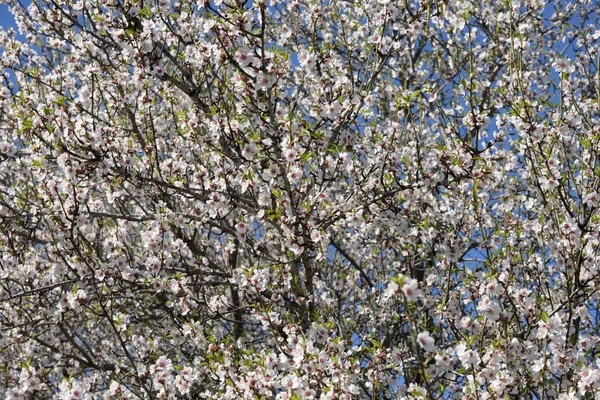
[6, 18]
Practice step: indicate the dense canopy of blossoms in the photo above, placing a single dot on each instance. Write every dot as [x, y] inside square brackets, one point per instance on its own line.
[300, 199]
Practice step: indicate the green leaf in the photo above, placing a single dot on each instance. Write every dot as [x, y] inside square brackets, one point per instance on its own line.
[475, 195]
[146, 12]
[27, 124]
[60, 100]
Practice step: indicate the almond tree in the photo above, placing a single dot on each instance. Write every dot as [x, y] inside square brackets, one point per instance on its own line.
[300, 199]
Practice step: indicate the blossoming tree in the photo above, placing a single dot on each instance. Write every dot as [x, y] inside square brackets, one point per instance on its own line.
[328, 199]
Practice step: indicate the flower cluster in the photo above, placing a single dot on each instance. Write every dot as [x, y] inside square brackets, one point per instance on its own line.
[299, 199]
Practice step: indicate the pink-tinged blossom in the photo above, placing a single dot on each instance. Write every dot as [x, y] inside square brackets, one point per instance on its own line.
[426, 341]
[550, 183]
[290, 155]
[319, 333]
[489, 308]
[392, 289]
[29, 381]
[242, 229]
[331, 111]
[76, 299]
[563, 65]
[445, 361]
[492, 288]
[307, 60]
[115, 389]
[466, 355]
[295, 174]
[592, 199]
[13, 394]
[589, 380]
[264, 81]
[85, 93]
[8, 149]
[411, 290]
